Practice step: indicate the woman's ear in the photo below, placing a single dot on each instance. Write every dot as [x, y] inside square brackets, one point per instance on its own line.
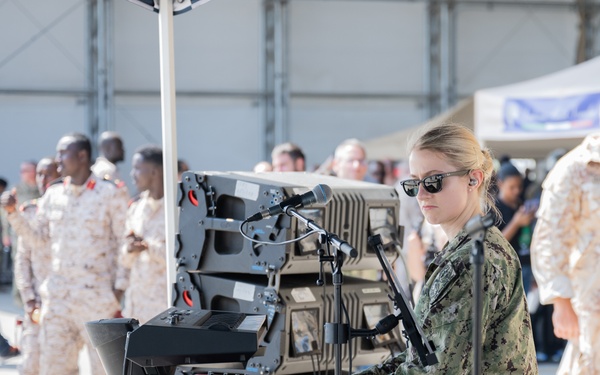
[475, 177]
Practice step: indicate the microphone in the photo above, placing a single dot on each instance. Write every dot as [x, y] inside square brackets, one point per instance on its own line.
[479, 223]
[321, 194]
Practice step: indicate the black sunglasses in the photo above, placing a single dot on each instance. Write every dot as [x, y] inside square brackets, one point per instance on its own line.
[433, 184]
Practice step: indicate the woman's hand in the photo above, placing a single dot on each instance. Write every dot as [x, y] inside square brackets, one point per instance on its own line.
[523, 217]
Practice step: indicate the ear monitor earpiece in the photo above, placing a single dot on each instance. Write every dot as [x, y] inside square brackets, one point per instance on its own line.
[472, 182]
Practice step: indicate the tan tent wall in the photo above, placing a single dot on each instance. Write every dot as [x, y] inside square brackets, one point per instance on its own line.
[395, 146]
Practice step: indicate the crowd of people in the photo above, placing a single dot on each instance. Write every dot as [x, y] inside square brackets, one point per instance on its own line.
[83, 248]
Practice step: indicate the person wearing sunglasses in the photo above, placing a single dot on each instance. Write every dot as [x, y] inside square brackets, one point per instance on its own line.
[450, 178]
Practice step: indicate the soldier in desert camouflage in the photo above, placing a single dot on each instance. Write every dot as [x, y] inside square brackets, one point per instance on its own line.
[450, 179]
[31, 269]
[565, 254]
[83, 217]
[111, 153]
[143, 257]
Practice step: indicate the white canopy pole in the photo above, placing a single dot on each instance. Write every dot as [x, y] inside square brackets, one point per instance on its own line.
[169, 132]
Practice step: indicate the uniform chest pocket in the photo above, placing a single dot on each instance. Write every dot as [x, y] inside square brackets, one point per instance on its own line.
[442, 284]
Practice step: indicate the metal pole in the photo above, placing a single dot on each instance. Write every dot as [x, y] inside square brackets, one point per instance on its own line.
[337, 312]
[278, 72]
[169, 131]
[444, 60]
[434, 61]
[101, 69]
[109, 27]
[92, 71]
[269, 140]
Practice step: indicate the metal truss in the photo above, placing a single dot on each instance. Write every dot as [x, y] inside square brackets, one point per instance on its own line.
[275, 93]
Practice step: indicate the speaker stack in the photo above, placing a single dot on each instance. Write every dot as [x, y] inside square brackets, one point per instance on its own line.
[218, 269]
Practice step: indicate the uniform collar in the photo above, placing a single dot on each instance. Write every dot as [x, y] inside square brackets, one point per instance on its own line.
[452, 245]
[153, 204]
[89, 184]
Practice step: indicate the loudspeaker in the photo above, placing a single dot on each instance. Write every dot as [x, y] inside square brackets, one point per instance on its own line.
[296, 311]
[214, 204]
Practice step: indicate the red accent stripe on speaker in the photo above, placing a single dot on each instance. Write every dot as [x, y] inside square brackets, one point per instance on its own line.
[187, 299]
[192, 197]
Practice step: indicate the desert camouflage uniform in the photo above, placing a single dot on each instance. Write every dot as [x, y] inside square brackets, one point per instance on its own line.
[31, 268]
[105, 169]
[25, 193]
[566, 249]
[146, 289]
[444, 311]
[84, 225]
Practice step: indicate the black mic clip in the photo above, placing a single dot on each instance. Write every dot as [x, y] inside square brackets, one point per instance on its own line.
[320, 194]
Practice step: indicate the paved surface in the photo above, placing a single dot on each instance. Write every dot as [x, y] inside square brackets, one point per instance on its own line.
[9, 315]
[8, 318]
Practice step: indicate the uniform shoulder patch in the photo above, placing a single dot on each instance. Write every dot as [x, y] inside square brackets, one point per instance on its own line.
[117, 183]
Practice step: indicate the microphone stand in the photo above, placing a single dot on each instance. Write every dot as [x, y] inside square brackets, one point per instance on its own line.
[412, 330]
[476, 229]
[336, 333]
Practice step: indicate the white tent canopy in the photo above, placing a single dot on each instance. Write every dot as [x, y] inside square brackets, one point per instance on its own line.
[523, 120]
[531, 118]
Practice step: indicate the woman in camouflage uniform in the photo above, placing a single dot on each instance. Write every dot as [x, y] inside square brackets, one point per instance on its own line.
[450, 179]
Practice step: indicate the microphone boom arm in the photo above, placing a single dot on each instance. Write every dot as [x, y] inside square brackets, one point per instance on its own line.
[334, 240]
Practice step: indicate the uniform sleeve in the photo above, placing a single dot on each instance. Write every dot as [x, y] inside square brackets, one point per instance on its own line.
[4, 230]
[445, 315]
[127, 259]
[157, 248]
[23, 271]
[555, 234]
[122, 279]
[124, 267]
[118, 224]
[387, 367]
[34, 229]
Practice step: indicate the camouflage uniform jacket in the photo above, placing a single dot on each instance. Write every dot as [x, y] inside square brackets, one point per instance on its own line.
[32, 259]
[566, 249]
[105, 169]
[444, 311]
[566, 243]
[84, 225]
[146, 288]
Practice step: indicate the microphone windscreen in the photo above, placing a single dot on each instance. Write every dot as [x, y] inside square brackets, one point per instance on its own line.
[323, 193]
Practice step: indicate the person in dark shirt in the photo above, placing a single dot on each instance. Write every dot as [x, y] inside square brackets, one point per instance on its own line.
[515, 217]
